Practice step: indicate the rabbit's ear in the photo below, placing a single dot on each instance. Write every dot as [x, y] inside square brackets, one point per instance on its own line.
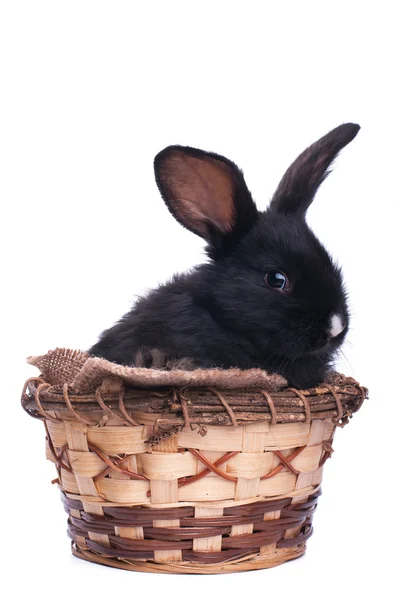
[205, 192]
[299, 184]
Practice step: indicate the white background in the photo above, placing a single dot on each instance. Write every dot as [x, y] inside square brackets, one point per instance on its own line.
[90, 92]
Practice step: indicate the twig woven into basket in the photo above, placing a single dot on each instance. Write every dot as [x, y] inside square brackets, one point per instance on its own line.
[188, 478]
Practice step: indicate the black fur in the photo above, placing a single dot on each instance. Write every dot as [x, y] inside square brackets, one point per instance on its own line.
[223, 314]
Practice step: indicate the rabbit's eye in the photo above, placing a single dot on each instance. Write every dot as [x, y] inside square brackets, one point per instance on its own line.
[276, 280]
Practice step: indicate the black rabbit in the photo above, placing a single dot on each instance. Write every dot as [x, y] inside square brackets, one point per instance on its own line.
[270, 297]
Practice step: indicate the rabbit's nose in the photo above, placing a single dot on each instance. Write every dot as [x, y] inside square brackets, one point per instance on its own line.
[336, 326]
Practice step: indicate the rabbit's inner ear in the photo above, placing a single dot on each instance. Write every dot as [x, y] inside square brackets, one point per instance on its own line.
[201, 193]
[200, 190]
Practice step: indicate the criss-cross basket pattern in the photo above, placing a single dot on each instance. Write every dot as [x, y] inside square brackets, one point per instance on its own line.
[180, 479]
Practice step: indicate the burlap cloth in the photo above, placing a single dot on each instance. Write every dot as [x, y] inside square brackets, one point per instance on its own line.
[84, 373]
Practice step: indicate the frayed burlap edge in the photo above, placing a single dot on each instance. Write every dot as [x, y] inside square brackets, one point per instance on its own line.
[83, 373]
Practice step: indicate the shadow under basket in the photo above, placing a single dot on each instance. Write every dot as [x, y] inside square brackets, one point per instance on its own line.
[186, 471]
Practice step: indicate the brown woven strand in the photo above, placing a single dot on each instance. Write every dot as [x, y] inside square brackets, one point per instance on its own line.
[274, 414]
[226, 406]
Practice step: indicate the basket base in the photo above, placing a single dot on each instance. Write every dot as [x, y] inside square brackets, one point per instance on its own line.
[249, 563]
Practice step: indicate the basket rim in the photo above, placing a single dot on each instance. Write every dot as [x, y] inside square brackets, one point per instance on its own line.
[337, 400]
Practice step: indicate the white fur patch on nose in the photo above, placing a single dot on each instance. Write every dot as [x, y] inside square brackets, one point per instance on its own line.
[336, 325]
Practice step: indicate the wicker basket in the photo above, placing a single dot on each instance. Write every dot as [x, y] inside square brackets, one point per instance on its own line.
[187, 478]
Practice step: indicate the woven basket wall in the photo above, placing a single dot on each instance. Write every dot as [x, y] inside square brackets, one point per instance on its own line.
[199, 480]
